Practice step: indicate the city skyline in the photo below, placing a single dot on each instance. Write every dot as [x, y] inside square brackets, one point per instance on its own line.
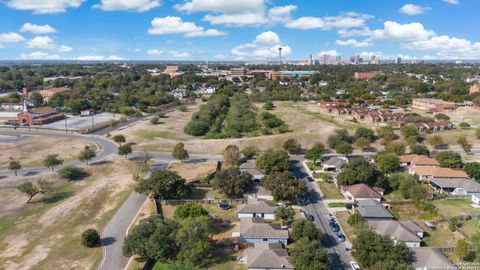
[235, 30]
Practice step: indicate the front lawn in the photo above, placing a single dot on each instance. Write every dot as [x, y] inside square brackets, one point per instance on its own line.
[455, 207]
[313, 167]
[342, 218]
[330, 190]
[333, 205]
[323, 175]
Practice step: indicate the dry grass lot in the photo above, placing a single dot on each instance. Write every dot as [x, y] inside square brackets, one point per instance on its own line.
[441, 236]
[31, 151]
[46, 234]
[349, 231]
[455, 207]
[409, 212]
[330, 190]
[191, 171]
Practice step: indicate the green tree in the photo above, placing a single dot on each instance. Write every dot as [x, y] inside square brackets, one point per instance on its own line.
[419, 149]
[285, 214]
[284, 186]
[462, 141]
[175, 265]
[249, 151]
[340, 136]
[449, 159]
[386, 133]
[119, 139]
[87, 154]
[71, 173]
[436, 140]
[304, 229]
[164, 185]
[14, 165]
[231, 155]
[387, 162]
[344, 149]
[179, 152]
[90, 238]
[193, 239]
[462, 249]
[232, 182]
[52, 160]
[396, 148]
[452, 223]
[315, 153]
[268, 105]
[292, 146]
[473, 170]
[355, 219]
[189, 210]
[154, 120]
[125, 150]
[273, 161]
[36, 99]
[442, 117]
[409, 131]
[365, 133]
[43, 187]
[359, 170]
[464, 125]
[362, 142]
[307, 255]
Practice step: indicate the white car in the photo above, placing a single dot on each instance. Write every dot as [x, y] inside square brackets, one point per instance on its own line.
[355, 265]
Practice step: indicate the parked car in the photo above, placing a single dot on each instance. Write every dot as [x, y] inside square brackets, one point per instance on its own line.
[340, 237]
[310, 179]
[334, 226]
[224, 206]
[309, 217]
[302, 200]
[355, 265]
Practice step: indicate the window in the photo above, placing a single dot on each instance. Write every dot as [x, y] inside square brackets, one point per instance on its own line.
[265, 239]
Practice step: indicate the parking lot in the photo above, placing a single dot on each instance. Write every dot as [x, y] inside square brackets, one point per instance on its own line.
[76, 122]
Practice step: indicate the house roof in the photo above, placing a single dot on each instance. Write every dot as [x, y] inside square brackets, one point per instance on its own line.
[394, 229]
[42, 110]
[439, 172]
[467, 184]
[255, 228]
[419, 160]
[268, 256]
[373, 209]
[430, 258]
[53, 91]
[362, 191]
[255, 205]
[251, 168]
[338, 162]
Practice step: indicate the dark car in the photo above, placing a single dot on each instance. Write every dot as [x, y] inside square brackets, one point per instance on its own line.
[334, 226]
[302, 200]
[310, 179]
[340, 237]
[224, 206]
[310, 217]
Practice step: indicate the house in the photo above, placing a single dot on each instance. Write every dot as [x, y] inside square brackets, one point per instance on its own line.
[433, 105]
[251, 168]
[38, 116]
[372, 209]
[179, 93]
[418, 160]
[455, 186]
[88, 112]
[172, 71]
[430, 172]
[367, 75]
[435, 126]
[254, 230]
[14, 107]
[264, 256]
[257, 208]
[476, 198]
[259, 192]
[361, 191]
[400, 231]
[334, 163]
[475, 88]
[427, 258]
[47, 94]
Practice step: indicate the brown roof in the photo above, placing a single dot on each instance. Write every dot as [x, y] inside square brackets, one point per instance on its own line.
[268, 256]
[42, 110]
[53, 91]
[439, 172]
[362, 191]
[419, 160]
[255, 228]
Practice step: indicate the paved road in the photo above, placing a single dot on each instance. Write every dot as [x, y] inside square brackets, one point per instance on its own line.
[339, 258]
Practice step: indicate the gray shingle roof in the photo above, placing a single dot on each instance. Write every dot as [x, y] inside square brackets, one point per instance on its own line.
[255, 205]
[255, 228]
[268, 256]
[373, 209]
[430, 258]
[394, 229]
[467, 184]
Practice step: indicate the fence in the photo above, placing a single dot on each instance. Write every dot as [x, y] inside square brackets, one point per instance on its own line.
[203, 201]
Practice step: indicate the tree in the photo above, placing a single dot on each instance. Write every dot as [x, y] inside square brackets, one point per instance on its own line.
[362, 142]
[193, 239]
[419, 149]
[125, 150]
[14, 165]
[462, 141]
[473, 170]
[292, 146]
[119, 139]
[304, 229]
[359, 170]
[449, 159]
[387, 162]
[285, 214]
[164, 185]
[477, 133]
[232, 182]
[231, 155]
[344, 149]
[43, 187]
[442, 117]
[273, 161]
[396, 148]
[179, 152]
[249, 151]
[365, 133]
[340, 136]
[154, 120]
[452, 223]
[436, 140]
[189, 210]
[307, 255]
[36, 99]
[315, 153]
[409, 131]
[355, 219]
[90, 238]
[52, 160]
[268, 105]
[462, 249]
[145, 158]
[464, 125]
[386, 133]
[87, 154]
[71, 173]
[284, 186]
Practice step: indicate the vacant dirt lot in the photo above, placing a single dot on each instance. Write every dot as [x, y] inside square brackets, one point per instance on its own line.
[31, 151]
[46, 234]
[191, 171]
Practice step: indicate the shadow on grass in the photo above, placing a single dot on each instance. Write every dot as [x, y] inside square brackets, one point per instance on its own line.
[222, 253]
[222, 226]
[197, 194]
[59, 196]
[102, 162]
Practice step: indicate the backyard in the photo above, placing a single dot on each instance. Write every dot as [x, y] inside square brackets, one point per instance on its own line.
[455, 207]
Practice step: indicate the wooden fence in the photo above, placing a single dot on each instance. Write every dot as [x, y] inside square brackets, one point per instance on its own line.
[203, 201]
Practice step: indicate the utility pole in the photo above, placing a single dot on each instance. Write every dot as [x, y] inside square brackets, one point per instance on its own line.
[66, 130]
[92, 121]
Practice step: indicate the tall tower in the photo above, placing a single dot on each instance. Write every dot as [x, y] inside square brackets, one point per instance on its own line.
[280, 56]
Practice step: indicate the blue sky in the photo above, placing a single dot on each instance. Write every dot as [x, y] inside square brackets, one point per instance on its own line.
[238, 29]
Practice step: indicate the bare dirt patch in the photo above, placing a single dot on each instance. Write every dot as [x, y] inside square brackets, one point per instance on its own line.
[191, 171]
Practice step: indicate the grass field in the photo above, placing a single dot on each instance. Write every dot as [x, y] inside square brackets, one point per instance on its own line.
[409, 212]
[471, 227]
[342, 218]
[455, 207]
[441, 236]
[333, 205]
[329, 190]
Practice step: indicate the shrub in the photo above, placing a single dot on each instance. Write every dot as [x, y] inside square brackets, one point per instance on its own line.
[90, 238]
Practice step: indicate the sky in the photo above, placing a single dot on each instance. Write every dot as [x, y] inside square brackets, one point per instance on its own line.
[237, 29]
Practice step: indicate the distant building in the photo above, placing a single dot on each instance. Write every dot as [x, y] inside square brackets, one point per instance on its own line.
[38, 116]
[179, 93]
[367, 75]
[433, 105]
[475, 88]
[172, 71]
[47, 94]
[398, 61]
[375, 60]
[13, 107]
[238, 71]
[435, 126]
[282, 75]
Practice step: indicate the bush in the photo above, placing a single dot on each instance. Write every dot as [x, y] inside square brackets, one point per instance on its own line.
[464, 125]
[452, 224]
[71, 173]
[355, 219]
[189, 210]
[154, 120]
[90, 238]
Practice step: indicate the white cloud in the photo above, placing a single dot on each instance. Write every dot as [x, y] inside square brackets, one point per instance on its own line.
[136, 5]
[330, 52]
[99, 58]
[447, 47]
[37, 29]
[281, 13]
[39, 56]
[10, 37]
[342, 21]
[353, 43]
[154, 52]
[240, 19]
[454, 2]
[265, 45]
[41, 42]
[394, 31]
[368, 55]
[175, 25]
[44, 6]
[65, 48]
[220, 56]
[411, 9]
[178, 54]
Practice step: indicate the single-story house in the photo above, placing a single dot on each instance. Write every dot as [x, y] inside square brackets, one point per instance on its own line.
[254, 230]
[265, 256]
[435, 126]
[455, 186]
[430, 172]
[251, 168]
[259, 192]
[476, 198]
[372, 209]
[427, 258]
[334, 163]
[400, 231]
[361, 191]
[257, 208]
[418, 160]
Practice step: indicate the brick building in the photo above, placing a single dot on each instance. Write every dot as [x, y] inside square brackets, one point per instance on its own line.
[475, 88]
[38, 116]
[47, 94]
[433, 105]
[367, 75]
